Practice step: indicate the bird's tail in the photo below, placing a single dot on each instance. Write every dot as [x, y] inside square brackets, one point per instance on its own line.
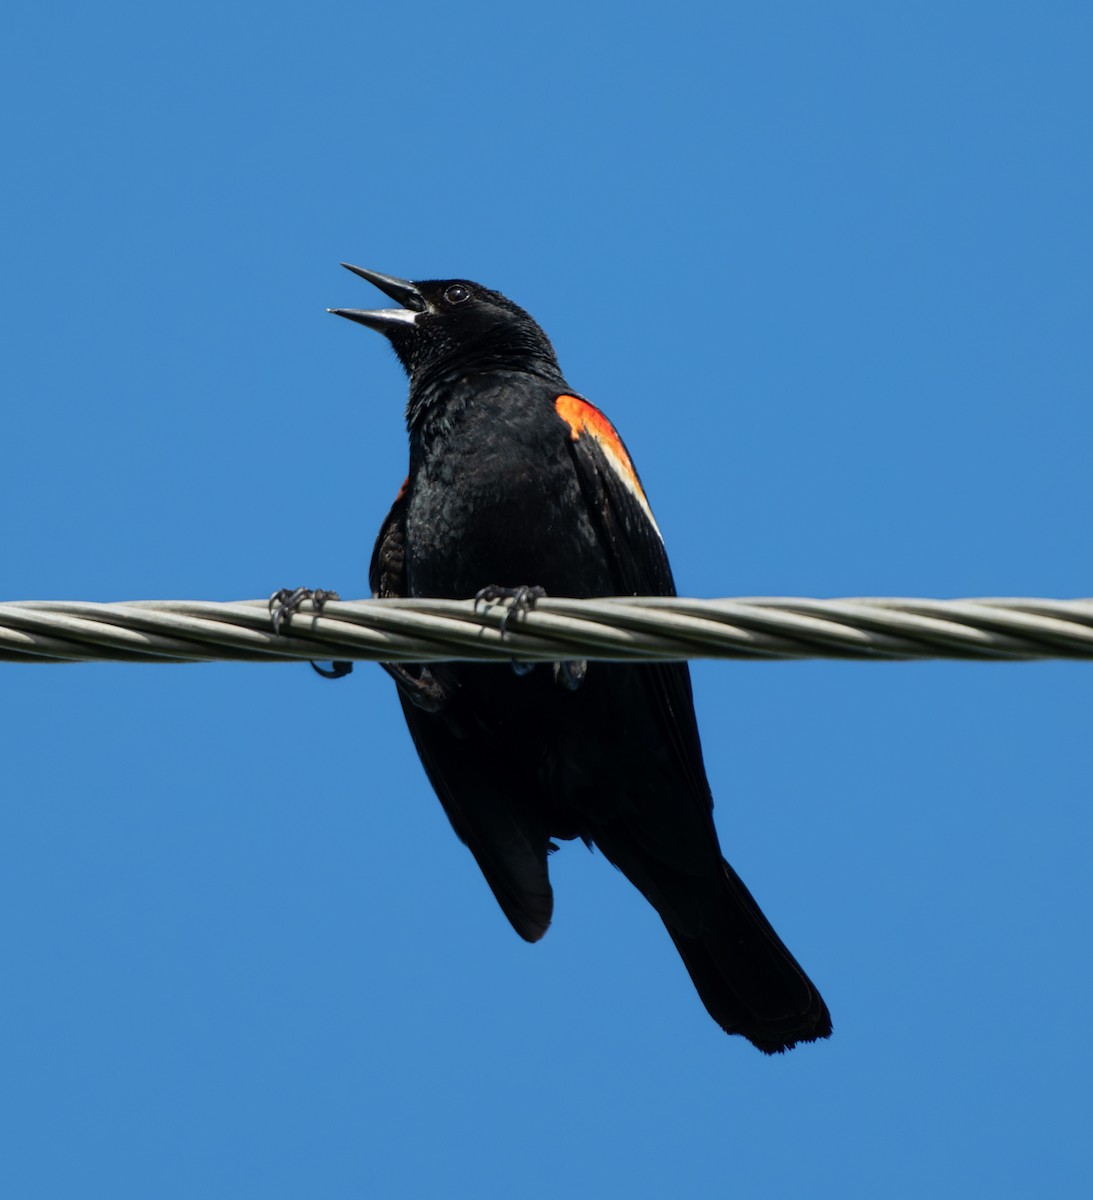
[747, 979]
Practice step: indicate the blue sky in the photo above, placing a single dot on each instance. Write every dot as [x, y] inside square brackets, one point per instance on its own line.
[827, 267]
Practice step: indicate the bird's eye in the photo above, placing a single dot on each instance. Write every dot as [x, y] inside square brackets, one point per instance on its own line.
[457, 293]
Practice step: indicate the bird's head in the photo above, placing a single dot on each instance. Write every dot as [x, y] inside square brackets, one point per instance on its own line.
[449, 326]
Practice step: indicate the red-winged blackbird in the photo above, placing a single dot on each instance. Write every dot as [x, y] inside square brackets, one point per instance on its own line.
[518, 484]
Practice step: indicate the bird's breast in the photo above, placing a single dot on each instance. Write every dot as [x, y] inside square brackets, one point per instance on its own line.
[497, 501]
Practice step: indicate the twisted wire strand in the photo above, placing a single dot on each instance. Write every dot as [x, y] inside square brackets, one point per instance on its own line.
[626, 629]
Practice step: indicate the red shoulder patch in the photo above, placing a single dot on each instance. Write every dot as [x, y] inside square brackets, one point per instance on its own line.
[584, 418]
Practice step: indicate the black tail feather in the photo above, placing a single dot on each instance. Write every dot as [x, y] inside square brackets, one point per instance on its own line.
[745, 976]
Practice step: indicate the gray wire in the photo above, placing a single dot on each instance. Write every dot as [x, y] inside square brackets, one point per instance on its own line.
[633, 629]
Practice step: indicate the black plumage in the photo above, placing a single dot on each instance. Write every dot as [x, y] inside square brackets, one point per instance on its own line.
[516, 480]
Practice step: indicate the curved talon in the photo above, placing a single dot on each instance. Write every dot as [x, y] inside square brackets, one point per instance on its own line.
[522, 599]
[490, 594]
[285, 602]
[338, 670]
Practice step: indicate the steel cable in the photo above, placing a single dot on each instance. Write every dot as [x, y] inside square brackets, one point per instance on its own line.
[631, 629]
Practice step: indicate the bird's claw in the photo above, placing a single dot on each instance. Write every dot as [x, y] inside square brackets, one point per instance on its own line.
[286, 602]
[521, 599]
[568, 674]
[336, 670]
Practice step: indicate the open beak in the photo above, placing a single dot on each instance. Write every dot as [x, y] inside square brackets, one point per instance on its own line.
[385, 319]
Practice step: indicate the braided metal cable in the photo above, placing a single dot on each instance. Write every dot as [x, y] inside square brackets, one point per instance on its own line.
[634, 629]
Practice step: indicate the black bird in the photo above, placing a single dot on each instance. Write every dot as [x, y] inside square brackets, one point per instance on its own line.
[517, 486]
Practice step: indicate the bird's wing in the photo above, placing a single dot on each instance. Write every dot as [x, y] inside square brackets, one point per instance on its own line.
[746, 977]
[614, 494]
[506, 836]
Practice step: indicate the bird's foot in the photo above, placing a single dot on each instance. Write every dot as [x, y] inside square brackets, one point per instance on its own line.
[286, 602]
[569, 674]
[521, 599]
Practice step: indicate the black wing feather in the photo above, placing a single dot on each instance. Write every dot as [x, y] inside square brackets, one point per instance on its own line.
[746, 977]
[641, 568]
[507, 840]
